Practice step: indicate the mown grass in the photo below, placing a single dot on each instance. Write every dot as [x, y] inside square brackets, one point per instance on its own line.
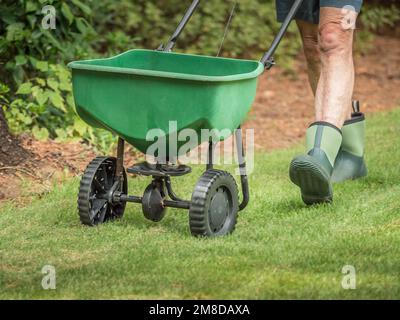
[280, 249]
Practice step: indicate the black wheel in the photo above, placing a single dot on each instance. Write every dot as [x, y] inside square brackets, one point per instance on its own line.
[214, 206]
[152, 203]
[96, 183]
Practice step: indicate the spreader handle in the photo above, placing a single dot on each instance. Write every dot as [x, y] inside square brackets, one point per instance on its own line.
[268, 60]
[171, 43]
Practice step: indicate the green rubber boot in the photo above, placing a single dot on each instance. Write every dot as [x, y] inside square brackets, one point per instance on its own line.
[350, 163]
[312, 172]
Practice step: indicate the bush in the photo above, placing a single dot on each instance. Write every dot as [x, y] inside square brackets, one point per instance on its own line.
[375, 17]
[36, 84]
[149, 23]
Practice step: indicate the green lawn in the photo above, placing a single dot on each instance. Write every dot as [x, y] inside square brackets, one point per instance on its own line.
[280, 249]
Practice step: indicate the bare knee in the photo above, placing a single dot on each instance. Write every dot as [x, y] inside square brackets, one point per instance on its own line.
[334, 40]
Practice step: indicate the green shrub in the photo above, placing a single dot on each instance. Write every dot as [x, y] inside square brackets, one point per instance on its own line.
[33, 68]
[375, 17]
[148, 23]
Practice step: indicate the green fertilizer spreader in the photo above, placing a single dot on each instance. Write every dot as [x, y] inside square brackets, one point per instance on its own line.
[138, 91]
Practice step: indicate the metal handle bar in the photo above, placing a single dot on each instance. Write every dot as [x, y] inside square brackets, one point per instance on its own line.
[171, 43]
[267, 60]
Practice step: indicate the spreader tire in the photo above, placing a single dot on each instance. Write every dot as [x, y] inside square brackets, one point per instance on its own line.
[97, 181]
[214, 205]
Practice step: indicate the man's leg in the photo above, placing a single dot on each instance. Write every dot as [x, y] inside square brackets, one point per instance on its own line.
[312, 44]
[312, 172]
[349, 163]
[309, 37]
[336, 84]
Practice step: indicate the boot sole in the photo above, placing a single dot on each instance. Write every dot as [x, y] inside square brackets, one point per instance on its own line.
[312, 179]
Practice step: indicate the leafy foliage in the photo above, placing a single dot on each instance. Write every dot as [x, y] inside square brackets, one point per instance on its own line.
[35, 83]
[375, 17]
[148, 23]
[35, 89]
